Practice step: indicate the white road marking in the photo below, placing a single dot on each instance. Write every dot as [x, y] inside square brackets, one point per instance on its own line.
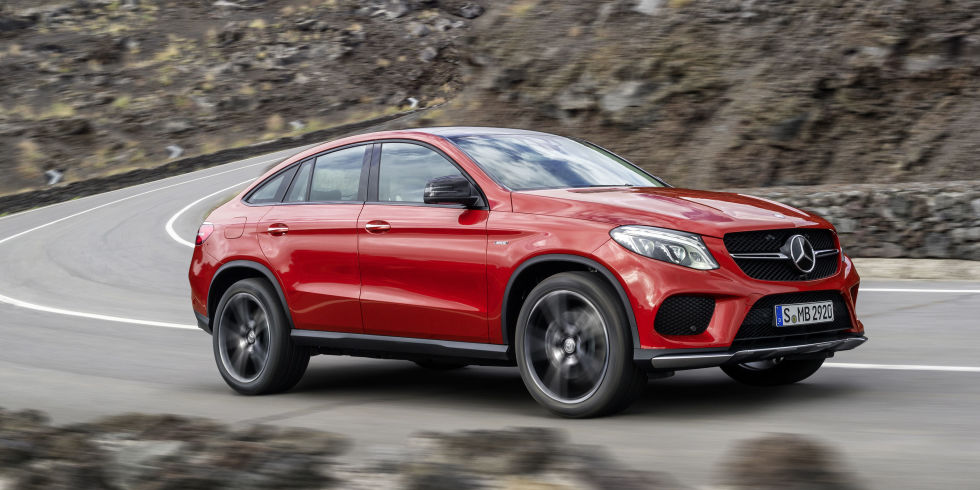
[173, 219]
[97, 316]
[94, 316]
[904, 367]
[117, 201]
[170, 230]
[20, 213]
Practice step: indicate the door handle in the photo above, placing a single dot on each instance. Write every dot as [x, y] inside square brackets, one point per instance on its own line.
[277, 229]
[377, 226]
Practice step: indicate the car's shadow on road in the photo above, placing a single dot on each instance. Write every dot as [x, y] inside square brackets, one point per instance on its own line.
[692, 393]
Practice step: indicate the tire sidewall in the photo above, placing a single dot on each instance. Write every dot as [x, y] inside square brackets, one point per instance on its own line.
[620, 367]
[278, 336]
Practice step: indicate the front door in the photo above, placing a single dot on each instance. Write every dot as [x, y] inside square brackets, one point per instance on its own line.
[423, 267]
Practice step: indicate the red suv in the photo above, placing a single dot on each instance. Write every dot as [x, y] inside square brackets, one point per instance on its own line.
[456, 246]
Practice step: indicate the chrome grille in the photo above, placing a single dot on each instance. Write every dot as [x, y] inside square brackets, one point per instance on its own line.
[759, 255]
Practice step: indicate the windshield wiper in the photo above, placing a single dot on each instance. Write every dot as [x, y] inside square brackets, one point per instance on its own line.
[610, 185]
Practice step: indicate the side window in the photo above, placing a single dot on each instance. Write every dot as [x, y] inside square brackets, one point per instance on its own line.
[269, 191]
[300, 187]
[405, 169]
[337, 175]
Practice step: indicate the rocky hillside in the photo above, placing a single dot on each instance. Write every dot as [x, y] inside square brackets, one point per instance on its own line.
[162, 452]
[706, 93]
[733, 93]
[96, 87]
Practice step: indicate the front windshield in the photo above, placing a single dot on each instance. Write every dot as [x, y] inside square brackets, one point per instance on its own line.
[523, 162]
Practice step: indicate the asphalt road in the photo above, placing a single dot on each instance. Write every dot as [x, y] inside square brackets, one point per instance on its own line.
[95, 319]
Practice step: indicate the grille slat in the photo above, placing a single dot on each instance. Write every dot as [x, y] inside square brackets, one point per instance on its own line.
[760, 321]
[770, 241]
[684, 315]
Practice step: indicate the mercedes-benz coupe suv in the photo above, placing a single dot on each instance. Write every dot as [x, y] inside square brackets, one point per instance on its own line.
[456, 246]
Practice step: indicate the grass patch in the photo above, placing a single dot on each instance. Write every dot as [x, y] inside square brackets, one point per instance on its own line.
[521, 8]
[122, 102]
[58, 110]
[275, 123]
[168, 53]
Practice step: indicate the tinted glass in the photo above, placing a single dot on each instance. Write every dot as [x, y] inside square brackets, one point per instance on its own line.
[268, 191]
[337, 175]
[301, 184]
[406, 168]
[522, 162]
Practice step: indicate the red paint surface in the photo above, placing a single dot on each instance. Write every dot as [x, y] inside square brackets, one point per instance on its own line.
[441, 272]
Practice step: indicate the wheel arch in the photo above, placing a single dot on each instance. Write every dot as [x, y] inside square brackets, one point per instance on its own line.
[235, 271]
[535, 269]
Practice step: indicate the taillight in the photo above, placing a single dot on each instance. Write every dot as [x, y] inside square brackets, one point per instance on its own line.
[203, 233]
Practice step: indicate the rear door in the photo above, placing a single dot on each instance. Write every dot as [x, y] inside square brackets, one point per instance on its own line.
[423, 267]
[310, 239]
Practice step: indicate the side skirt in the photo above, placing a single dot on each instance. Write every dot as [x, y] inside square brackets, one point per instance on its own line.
[387, 347]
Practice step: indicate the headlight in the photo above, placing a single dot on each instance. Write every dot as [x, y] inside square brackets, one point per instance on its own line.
[676, 247]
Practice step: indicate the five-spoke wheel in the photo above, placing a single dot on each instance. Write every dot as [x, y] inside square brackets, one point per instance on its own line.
[244, 337]
[566, 346]
[252, 344]
[574, 349]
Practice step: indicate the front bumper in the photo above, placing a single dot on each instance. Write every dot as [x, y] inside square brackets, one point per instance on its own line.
[648, 283]
[686, 360]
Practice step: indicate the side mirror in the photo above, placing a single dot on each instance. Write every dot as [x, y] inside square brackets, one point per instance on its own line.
[451, 189]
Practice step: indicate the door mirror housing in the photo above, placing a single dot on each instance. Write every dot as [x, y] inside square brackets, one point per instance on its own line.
[451, 189]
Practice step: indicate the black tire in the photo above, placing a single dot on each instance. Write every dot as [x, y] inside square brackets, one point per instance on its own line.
[251, 341]
[775, 372]
[440, 365]
[569, 324]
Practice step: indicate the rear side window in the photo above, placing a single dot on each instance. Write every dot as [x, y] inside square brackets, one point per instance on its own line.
[337, 175]
[406, 168]
[271, 190]
[300, 187]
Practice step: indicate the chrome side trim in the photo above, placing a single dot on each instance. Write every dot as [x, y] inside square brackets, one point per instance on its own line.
[779, 255]
[689, 361]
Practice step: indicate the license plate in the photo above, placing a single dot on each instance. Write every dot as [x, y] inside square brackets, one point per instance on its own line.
[804, 313]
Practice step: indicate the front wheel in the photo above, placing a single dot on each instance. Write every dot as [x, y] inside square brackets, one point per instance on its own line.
[252, 343]
[574, 347]
[773, 372]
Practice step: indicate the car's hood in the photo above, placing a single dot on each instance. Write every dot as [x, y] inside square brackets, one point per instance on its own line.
[701, 212]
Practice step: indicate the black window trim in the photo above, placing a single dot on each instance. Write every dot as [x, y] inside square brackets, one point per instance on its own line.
[309, 181]
[374, 178]
[280, 193]
[294, 167]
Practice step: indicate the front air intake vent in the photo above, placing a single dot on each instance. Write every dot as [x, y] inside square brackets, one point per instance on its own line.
[684, 315]
[760, 322]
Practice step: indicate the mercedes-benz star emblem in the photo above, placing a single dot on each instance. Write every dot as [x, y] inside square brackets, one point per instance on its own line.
[800, 251]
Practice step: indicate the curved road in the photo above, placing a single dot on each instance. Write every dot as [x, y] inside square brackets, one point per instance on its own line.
[95, 319]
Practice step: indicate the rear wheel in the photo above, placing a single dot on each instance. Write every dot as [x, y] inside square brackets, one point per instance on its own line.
[574, 348]
[773, 372]
[251, 340]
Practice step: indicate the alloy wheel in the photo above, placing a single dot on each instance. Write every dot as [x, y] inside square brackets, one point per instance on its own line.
[566, 346]
[244, 337]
